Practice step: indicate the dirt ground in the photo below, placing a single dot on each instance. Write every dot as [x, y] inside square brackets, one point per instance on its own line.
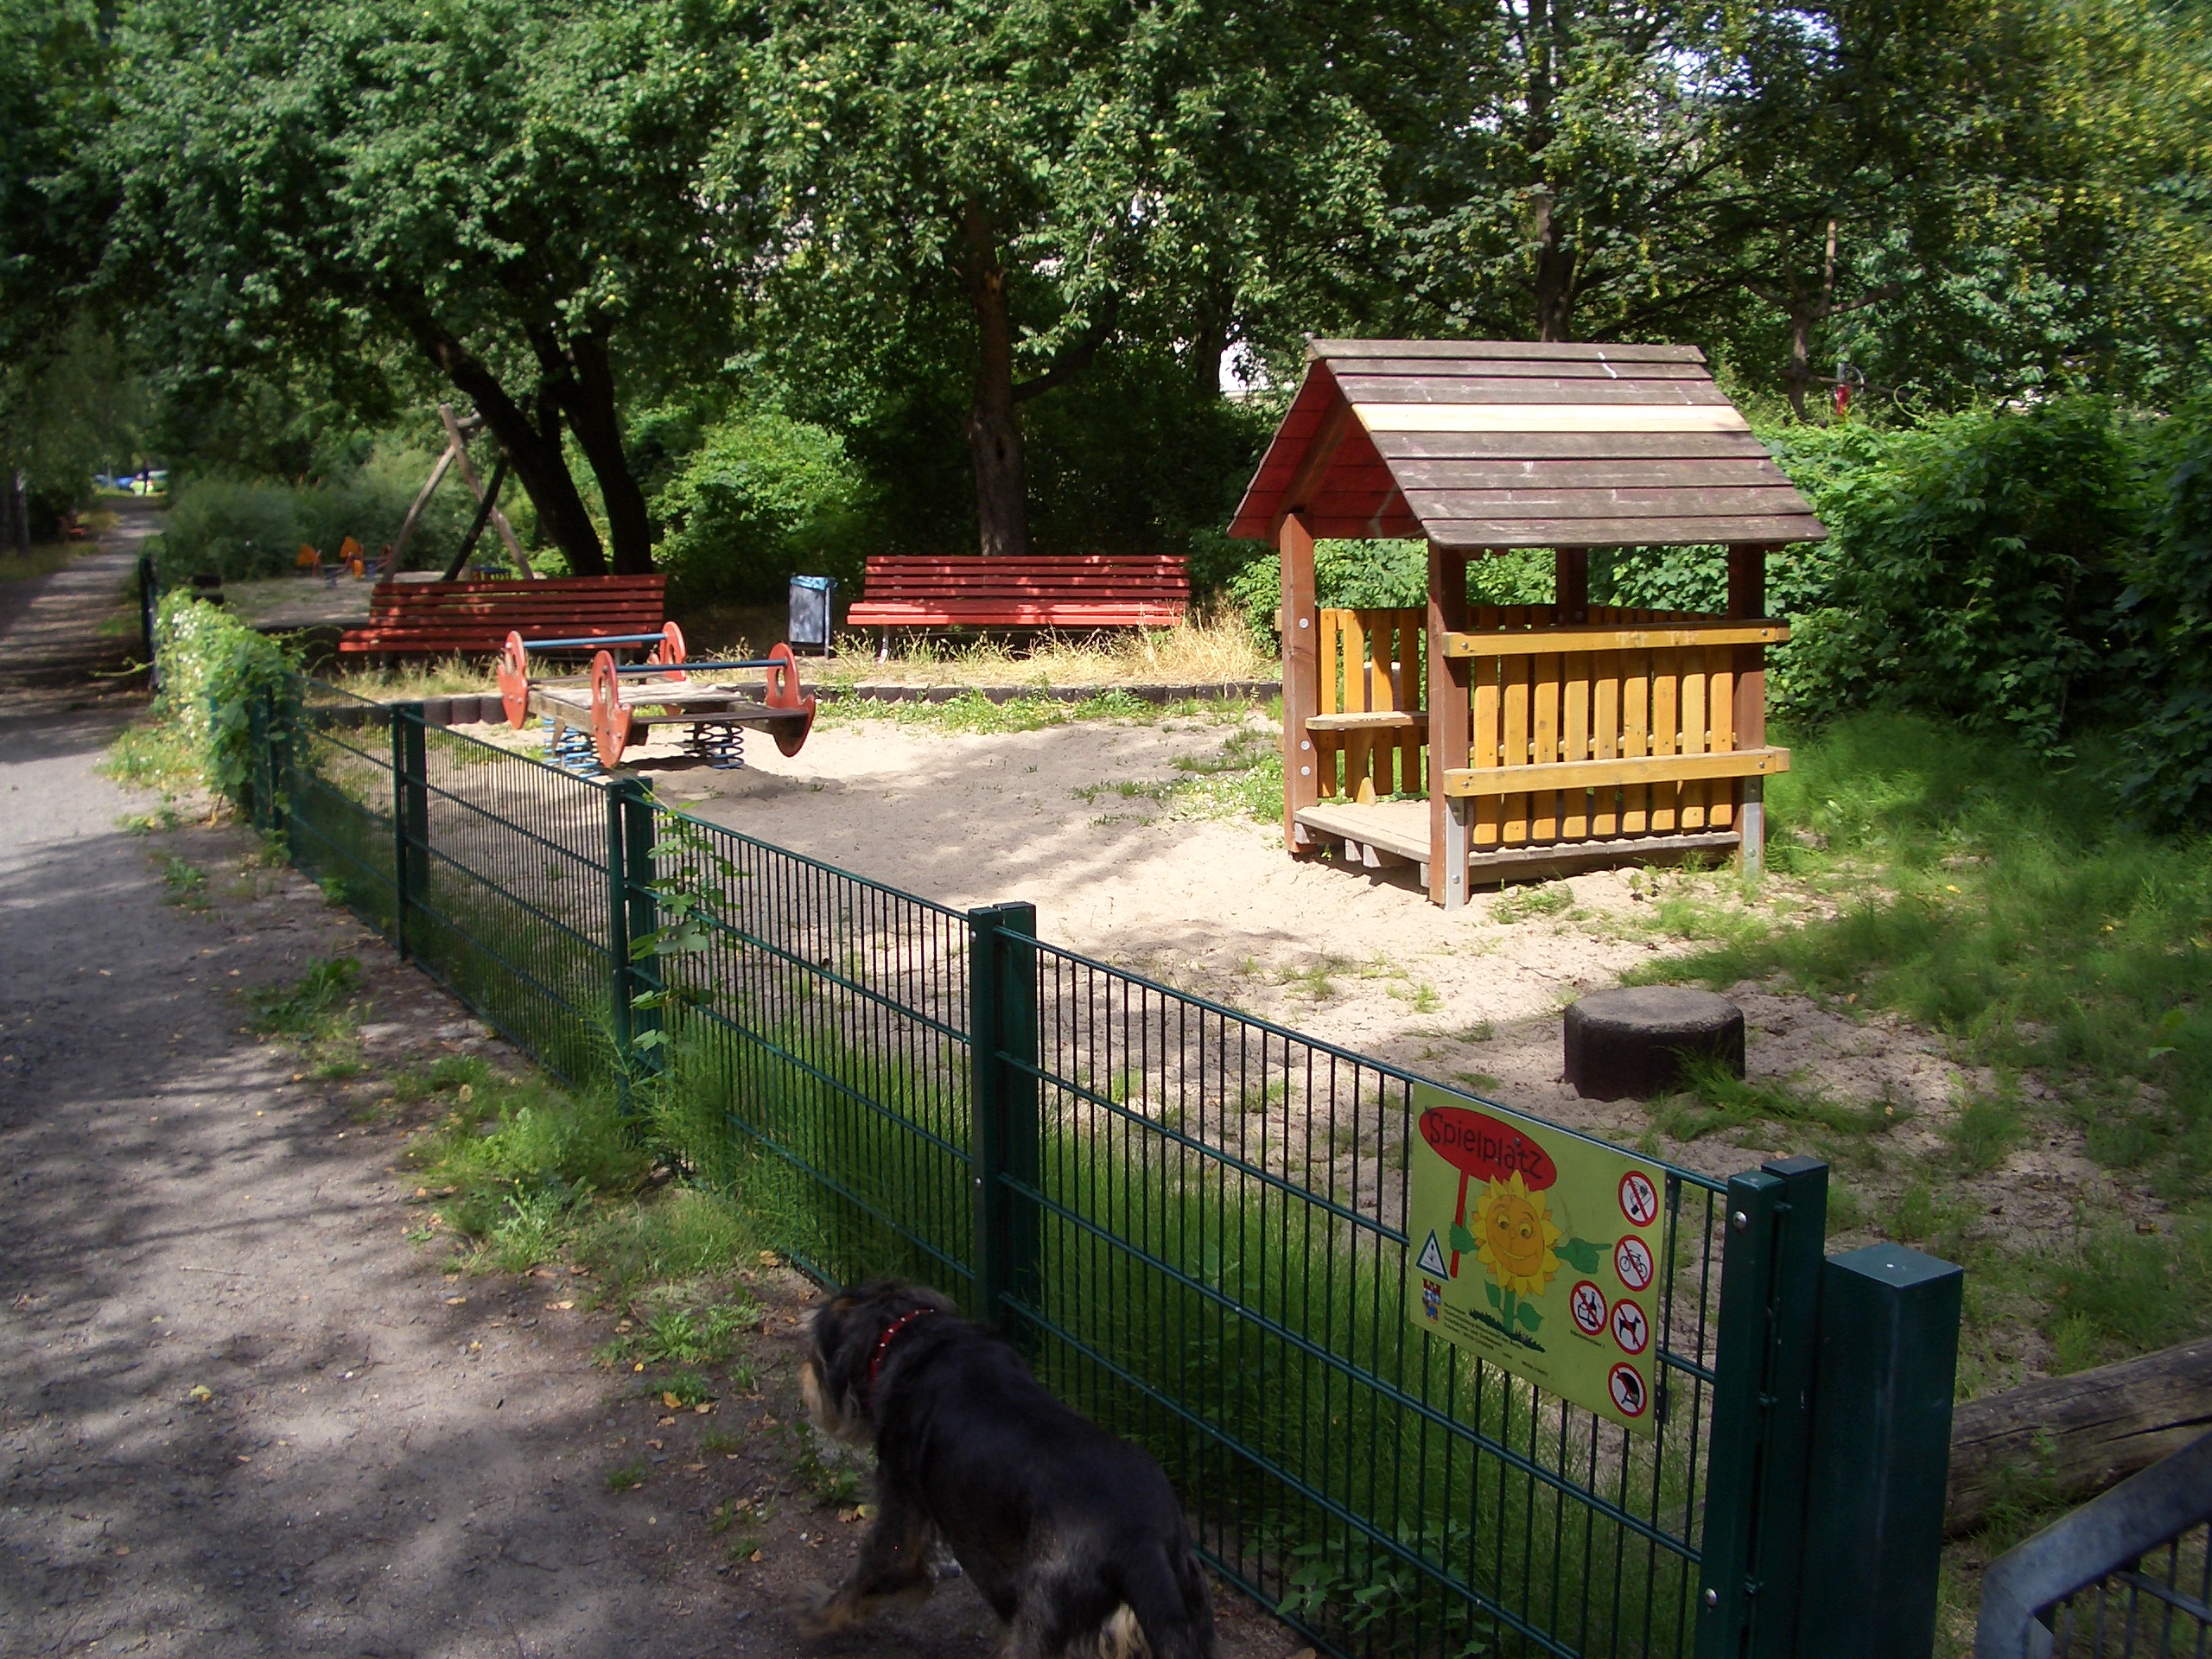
[1214, 905]
[241, 1412]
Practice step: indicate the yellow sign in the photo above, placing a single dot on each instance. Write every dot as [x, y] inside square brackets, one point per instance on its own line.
[1538, 1251]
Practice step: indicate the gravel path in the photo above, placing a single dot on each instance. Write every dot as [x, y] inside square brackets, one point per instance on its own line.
[241, 1412]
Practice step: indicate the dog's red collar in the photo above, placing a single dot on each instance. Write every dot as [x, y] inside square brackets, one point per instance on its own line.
[883, 1345]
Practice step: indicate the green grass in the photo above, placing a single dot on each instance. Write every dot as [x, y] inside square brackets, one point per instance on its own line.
[45, 558]
[313, 1006]
[1715, 1101]
[627, 1477]
[187, 883]
[2001, 904]
[2059, 954]
[1551, 898]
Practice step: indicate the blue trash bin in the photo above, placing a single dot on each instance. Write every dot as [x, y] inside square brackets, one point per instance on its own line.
[813, 602]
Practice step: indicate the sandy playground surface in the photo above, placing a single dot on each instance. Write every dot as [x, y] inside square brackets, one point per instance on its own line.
[1214, 905]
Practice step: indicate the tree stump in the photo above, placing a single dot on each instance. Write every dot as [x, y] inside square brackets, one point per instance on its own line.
[1634, 1041]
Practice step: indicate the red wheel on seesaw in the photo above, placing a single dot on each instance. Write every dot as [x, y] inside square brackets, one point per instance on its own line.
[610, 721]
[514, 680]
[784, 692]
[670, 652]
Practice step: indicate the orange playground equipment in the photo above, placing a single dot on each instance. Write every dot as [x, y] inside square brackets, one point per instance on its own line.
[615, 702]
[1486, 742]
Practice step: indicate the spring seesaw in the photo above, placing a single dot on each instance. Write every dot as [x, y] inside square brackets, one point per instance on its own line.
[615, 700]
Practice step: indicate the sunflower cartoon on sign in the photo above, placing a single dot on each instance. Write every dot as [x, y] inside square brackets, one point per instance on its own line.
[1517, 1237]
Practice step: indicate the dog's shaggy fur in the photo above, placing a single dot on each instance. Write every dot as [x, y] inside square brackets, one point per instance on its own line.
[1072, 1535]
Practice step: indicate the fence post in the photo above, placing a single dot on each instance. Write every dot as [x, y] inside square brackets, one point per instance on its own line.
[411, 819]
[631, 913]
[1881, 1453]
[150, 603]
[1776, 1227]
[1003, 1098]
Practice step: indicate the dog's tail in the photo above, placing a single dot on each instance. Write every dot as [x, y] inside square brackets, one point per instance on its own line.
[1167, 1591]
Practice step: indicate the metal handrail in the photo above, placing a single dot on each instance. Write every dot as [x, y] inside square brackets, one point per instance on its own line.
[2104, 1538]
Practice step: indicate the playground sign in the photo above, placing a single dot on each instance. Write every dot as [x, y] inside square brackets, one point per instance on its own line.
[1539, 1251]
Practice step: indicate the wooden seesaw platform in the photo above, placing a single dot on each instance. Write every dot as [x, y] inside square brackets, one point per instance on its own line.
[613, 702]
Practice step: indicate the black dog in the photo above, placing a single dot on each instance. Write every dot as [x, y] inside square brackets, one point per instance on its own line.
[1072, 1535]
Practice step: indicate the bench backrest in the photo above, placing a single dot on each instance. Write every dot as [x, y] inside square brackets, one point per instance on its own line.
[1069, 577]
[550, 602]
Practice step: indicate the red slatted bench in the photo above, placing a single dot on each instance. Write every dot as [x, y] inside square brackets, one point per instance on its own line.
[435, 618]
[1080, 591]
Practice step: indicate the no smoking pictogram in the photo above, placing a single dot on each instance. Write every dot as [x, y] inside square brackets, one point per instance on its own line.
[1632, 1261]
[1639, 1198]
[1629, 1395]
[1587, 1303]
[1630, 1329]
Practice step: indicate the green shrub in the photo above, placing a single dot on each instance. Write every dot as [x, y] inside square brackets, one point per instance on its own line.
[2166, 613]
[242, 530]
[1979, 559]
[763, 497]
[216, 672]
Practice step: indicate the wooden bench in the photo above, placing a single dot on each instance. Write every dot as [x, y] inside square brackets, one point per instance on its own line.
[435, 618]
[1076, 591]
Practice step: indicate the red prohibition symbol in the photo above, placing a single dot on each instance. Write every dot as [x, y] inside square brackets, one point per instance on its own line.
[1632, 1261]
[1630, 1329]
[1639, 1198]
[1587, 1303]
[1630, 1397]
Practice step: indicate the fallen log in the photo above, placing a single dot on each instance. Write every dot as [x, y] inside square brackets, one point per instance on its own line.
[2067, 1437]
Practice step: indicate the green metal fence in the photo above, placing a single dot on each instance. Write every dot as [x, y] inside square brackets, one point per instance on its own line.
[1192, 1220]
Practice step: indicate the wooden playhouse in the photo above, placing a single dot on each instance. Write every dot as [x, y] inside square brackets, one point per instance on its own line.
[1487, 742]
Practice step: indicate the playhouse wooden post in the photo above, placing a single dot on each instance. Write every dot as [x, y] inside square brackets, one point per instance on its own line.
[1451, 736]
[1302, 677]
[1570, 586]
[1747, 599]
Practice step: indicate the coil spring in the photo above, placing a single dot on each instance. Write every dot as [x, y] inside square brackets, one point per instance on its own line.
[569, 748]
[721, 746]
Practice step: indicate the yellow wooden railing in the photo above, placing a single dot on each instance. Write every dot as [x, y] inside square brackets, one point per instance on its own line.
[1621, 727]
[1374, 679]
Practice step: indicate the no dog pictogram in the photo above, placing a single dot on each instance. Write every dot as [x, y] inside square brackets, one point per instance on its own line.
[1630, 1329]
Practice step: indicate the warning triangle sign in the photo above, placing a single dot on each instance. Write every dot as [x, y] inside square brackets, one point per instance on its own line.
[1432, 1258]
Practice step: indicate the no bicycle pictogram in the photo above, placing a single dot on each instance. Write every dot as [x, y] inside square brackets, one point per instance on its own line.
[1632, 1261]
[1639, 1198]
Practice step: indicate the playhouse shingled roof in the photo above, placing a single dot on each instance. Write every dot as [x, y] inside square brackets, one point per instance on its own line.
[1477, 444]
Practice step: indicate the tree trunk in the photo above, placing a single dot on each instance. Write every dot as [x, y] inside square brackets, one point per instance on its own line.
[994, 434]
[1555, 261]
[1554, 275]
[1800, 376]
[536, 455]
[589, 400]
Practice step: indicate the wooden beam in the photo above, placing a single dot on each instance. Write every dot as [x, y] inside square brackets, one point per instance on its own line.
[1301, 678]
[1570, 586]
[1305, 483]
[1747, 599]
[422, 499]
[1596, 774]
[1535, 642]
[458, 447]
[2074, 1435]
[1450, 739]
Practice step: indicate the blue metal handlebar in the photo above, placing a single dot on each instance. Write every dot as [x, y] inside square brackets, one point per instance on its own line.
[670, 668]
[598, 640]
